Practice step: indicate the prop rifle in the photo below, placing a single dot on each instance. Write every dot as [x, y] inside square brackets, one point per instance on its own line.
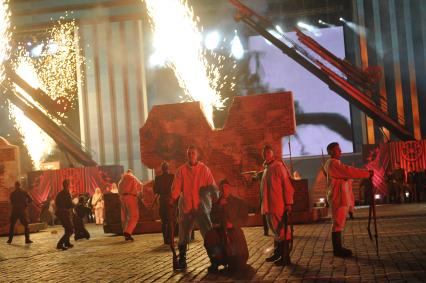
[172, 222]
[372, 212]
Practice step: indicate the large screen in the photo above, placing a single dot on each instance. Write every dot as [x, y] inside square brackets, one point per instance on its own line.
[322, 116]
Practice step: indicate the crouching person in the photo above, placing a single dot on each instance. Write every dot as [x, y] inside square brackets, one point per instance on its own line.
[277, 192]
[226, 244]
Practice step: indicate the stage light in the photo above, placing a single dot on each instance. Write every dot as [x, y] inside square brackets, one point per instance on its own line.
[376, 196]
[237, 49]
[279, 29]
[359, 30]
[212, 40]
[309, 28]
[342, 19]
[322, 200]
[36, 51]
[325, 23]
[407, 194]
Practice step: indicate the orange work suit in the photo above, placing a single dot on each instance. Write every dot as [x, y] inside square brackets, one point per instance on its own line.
[128, 188]
[339, 188]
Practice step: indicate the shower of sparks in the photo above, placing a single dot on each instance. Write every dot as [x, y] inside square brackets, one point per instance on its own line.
[50, 66]
[5, 35]
[37, 142]
[55, 61]
[178, 39]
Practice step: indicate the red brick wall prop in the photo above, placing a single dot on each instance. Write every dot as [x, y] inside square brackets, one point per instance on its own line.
[252, 121]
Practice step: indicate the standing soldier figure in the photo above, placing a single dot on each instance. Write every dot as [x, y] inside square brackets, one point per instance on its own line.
[277, 192]
[338, 183]
[162, 187]
[128, 188]
[64, 205]
[19, 199]
[191, 178]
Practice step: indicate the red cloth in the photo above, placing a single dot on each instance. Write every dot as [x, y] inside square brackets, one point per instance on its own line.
[275, 187]
[187, 183]
[129, 184]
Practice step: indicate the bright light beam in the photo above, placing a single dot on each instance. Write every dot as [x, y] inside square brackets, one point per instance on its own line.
[5, 35]
[177, 36]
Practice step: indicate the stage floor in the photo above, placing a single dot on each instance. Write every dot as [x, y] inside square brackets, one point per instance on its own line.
[106, 258]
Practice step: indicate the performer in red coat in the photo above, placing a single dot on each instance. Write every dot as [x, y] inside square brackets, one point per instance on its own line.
[277, 192]
[128, 188]
[338, 193]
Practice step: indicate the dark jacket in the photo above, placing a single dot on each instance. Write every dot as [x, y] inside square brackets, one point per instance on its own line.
[63, 200]
[19, 200]
[163, 184]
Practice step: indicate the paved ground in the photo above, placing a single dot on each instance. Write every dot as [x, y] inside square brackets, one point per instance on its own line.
[106, 258]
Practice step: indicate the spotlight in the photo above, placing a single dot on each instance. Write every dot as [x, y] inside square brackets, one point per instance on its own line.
[309, 28]
[36, 51]
[212, 40]
[279, 29]
[322, 200]
[342, 20]
[237, 49]
[321, 22]
[376, 196]
[407, 194]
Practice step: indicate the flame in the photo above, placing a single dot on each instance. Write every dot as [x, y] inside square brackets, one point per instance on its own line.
[37, 142]
[178, 38]
[50, 66]
[5, 35]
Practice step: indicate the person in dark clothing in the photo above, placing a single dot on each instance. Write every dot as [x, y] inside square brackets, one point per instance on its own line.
[398, 176]
[63, 212]
[79, 212]
[162, 187]
[19, 200]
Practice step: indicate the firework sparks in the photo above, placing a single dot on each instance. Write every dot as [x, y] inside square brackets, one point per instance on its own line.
[51, 67]
[37, 142]
[179, 40]
[4, 35]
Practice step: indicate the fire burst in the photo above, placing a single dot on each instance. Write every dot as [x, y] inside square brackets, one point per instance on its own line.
[4, 35]
[51, 68]
[179, 40]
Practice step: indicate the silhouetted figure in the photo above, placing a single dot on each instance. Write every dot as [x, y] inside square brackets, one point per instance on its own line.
[19, 200]
[63, 212]
[162, 187]
[80, 212]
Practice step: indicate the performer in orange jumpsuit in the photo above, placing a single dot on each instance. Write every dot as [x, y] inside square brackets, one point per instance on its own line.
[277, 193]
[128, 188]
[191, 178]
[339, 189]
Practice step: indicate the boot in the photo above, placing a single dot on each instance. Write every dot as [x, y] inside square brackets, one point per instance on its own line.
[9, 241]
[128, 237]
[27, 236]
[338, 250]
[285, 254]
[277, 252]
[182, 257]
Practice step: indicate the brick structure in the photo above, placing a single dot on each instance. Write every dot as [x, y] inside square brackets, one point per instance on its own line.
[252, 121]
